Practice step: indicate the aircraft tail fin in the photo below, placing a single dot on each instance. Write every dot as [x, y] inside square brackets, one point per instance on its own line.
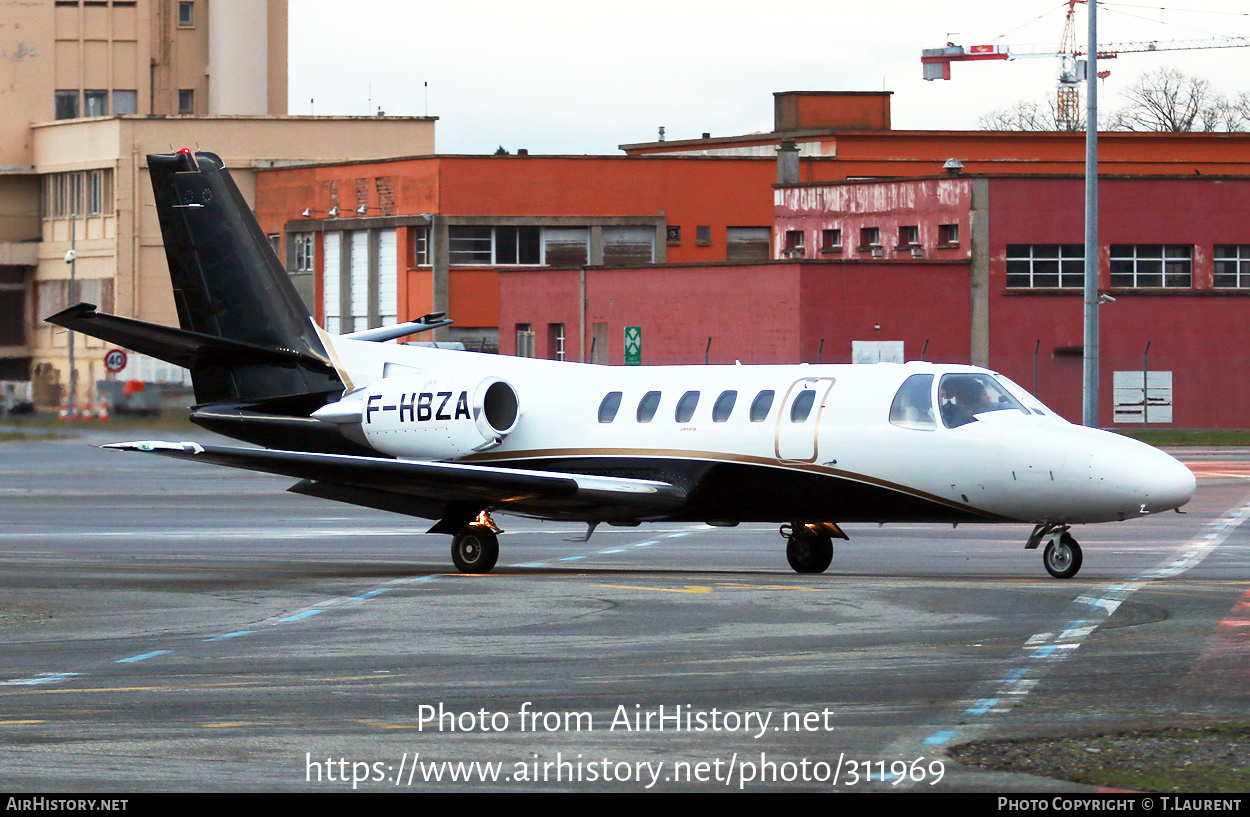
[229, 284]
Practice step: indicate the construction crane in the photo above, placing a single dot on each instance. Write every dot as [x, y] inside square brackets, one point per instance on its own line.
[936, 62]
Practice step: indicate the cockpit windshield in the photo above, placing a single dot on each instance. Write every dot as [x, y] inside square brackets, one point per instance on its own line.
[963, 396]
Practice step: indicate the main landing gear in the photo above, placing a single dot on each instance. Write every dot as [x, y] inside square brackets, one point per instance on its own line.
[476, 548]
[809, 547]
[1062, 555]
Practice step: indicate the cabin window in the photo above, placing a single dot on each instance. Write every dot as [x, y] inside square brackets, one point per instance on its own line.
[761, 405]
[963, 396]
[686, 406]
[610, 405]
[801, 408]
[724, 406]
[647, 406]
[913, 405]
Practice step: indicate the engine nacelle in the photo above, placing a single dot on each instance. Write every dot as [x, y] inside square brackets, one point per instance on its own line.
[436, 418]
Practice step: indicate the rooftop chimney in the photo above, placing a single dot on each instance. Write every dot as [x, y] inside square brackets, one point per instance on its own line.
[788, 162]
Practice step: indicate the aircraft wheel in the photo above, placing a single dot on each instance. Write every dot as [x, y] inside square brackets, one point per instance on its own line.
[809, 552]
[1062, 557]
[475, 549]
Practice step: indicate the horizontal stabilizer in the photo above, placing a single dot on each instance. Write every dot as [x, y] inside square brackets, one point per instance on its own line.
[181, 347]
[399, 330]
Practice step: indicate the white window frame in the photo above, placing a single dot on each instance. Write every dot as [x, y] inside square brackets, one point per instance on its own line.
[1136, 260]
[1034, 255]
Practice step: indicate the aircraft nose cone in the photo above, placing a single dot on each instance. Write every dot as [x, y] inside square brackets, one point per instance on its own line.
[1155, 480]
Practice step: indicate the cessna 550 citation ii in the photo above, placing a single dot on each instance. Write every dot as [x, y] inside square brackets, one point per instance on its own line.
[451, 436]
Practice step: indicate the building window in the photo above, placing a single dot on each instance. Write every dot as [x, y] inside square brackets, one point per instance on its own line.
[948, 235]
[186, 15]
[794, 244]
[518, 245]
[1232, 265]
[628, 246]
[421, 247]
[703, 236]
[275, 244]
[95, 103]
[1045, 266]
[186, 101]
[831, 240]
[524, 340]
[66, 104]
[305, 252]
[748, 243]
[673, 235]
[77, 193]
[908, 237]
[1151, 265]
[470, 245]
[125, 102]
[555, 341]
[12, 306]
[869, 237]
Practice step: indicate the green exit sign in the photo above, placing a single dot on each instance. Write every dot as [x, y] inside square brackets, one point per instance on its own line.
[633, 345]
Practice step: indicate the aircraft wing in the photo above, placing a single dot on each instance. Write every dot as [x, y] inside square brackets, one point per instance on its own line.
[451, 492]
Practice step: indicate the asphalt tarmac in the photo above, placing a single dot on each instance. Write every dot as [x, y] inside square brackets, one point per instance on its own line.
[168, 626]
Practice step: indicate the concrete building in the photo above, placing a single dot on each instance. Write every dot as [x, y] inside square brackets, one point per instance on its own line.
[984, 270]
[96, 86]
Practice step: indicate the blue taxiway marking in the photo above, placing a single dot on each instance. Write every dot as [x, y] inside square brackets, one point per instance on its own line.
[371, 594]
[938, 738]
[572, 558]
[235, 634]
[982, 706]
[299, 616]
[145, 656]
[42, 679]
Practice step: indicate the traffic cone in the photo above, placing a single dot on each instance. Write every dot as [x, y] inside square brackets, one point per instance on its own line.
[64, 409]
[102, 410]
[84, 410]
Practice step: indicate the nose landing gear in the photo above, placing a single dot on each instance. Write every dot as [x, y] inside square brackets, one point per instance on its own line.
[1062, 555]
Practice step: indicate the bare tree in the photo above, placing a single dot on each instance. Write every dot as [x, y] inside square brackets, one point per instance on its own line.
[1027, 115]
[1165, 100]
[1169, 101]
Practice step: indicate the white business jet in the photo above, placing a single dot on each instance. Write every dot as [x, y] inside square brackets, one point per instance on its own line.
[453, 436]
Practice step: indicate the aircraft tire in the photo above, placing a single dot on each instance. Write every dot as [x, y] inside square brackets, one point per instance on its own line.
[1062, 557]
[809, 552]
[475, 549]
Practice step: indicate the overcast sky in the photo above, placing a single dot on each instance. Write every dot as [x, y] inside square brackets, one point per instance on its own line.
[582, 77]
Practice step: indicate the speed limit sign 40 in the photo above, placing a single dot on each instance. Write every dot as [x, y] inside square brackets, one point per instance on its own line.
[115, 360]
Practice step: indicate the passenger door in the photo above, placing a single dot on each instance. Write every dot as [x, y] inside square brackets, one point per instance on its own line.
[798, 419]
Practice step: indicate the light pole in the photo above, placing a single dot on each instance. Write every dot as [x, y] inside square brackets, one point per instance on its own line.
[1089, 412]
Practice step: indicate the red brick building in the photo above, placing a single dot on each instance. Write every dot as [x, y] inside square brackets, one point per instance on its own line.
[986, 270]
